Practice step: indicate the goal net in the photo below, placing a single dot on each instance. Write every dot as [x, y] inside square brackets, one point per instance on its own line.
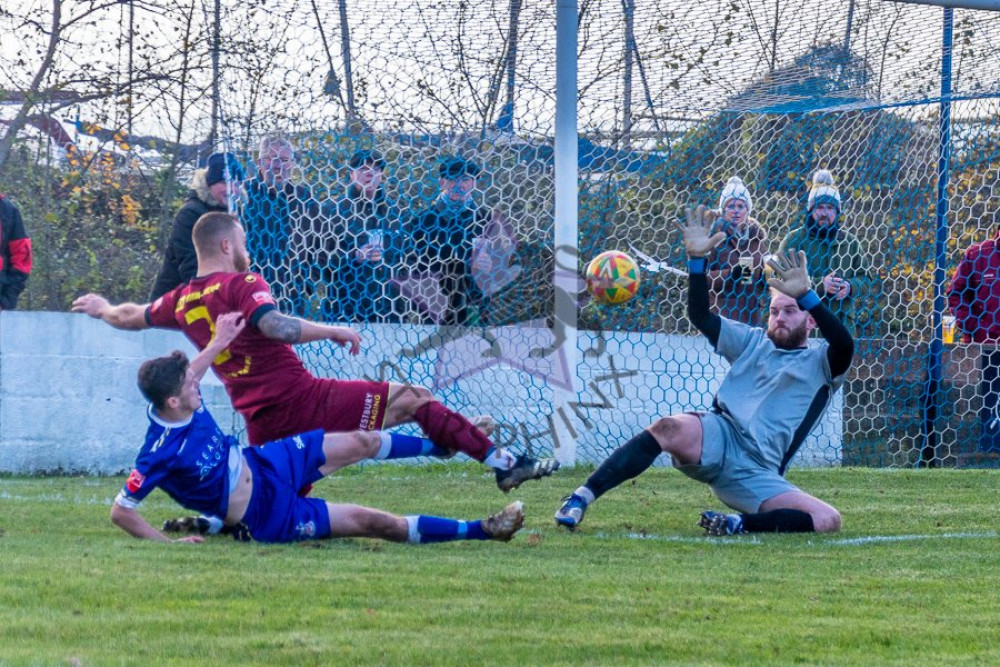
[419, 206]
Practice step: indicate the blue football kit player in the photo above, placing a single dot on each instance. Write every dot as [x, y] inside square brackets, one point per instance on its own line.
[776, 390]
[256, 489]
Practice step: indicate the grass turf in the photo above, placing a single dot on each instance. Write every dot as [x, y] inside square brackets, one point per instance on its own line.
[909, 580]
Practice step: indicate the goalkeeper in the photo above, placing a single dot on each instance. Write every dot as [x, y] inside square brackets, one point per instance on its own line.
[774, 393]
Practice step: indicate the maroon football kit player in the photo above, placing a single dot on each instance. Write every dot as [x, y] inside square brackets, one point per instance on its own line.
[266, 381]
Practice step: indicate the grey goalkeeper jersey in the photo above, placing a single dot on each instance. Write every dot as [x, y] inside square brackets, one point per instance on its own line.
[773, 397]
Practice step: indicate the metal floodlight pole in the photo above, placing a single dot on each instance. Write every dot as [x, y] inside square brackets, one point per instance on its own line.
[213, 133]
[628, 7]
[928, 455]
[131, 67]
[566, 245]
[847, 31]
[512, 37]
[345, 54]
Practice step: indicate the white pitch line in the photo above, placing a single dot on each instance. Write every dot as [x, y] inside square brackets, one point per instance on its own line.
[841, 542]
[742, 539]
[881, 539]
[57, 498]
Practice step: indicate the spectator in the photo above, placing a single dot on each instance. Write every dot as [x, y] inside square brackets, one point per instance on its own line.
[736, 268]
[15, 254]
[974, 300]
[974, 294]
[362, 242]
[836, 264]
[213, 189]
[494, 263]
[444, 237]
[273, 211]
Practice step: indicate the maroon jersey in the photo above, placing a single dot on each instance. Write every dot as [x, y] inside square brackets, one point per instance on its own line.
[257, 371]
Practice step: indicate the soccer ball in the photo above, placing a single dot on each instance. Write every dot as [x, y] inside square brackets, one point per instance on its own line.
[612, 277]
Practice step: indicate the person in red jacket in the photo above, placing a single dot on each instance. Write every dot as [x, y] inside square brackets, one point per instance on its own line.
[15, 254]
[974, 300]
[974, 294]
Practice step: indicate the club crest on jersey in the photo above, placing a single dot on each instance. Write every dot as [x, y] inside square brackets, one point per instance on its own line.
[135, 481]
[250, 278]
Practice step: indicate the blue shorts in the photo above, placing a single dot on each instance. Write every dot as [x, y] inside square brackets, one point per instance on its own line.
[737, 479]
[276, 513]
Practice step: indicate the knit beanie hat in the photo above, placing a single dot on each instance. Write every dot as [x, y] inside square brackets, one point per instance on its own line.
[458, 167]
[368, 156]
[734, 189]
[222, 167]
[823, 191]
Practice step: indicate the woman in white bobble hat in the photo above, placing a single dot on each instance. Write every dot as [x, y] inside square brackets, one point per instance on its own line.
[736, 267]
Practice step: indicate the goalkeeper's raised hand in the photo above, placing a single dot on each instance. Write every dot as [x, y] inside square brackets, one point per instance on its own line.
[698, 238]
[790, 274]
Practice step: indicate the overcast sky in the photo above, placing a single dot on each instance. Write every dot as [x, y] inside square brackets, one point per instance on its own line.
[409, 71]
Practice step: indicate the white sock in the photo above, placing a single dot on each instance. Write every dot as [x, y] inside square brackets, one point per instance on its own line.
[586, 494]
[411, 524]
[385, 445]
[500, 459]
[214, 524]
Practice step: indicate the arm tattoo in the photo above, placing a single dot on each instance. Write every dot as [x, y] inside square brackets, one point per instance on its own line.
[280, 327]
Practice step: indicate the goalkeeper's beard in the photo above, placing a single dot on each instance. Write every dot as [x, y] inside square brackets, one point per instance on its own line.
[788, 338]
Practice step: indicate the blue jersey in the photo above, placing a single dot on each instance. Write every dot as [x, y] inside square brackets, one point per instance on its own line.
[193, 461]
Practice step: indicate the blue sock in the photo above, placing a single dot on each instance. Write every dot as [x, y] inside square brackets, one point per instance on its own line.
[428, 529]
[399, 446]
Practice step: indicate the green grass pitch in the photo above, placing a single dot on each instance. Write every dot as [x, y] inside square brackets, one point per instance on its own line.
[910, 580]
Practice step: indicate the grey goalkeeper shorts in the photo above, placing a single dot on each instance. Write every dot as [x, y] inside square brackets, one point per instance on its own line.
[737, 479]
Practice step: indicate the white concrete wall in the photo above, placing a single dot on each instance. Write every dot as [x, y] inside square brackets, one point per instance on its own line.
[68, 400]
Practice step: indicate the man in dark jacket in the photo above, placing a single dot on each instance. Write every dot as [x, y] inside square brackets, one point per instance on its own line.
[15, 254]
[444, 236]
[371, 243]
[212, 190]
[839, 268]
[274, 210]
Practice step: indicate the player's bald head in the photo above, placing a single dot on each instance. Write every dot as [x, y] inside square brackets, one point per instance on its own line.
[210, 230]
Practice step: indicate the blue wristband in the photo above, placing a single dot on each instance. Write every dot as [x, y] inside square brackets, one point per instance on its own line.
[808, 300]
[697, 264]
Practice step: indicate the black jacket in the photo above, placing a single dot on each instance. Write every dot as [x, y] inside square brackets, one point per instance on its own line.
[273, 219]
[180, 263]
[15, 254]
[364, 291]
[442, 242]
